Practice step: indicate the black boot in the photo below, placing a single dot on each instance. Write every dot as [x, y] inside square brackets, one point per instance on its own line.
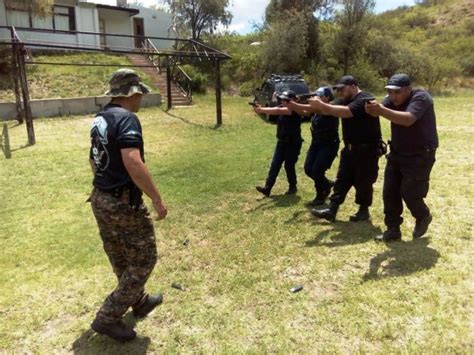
[421, 226]
[361, 215]
[321, 196]
[291, 190]
[148, 304]
[392, 234]
[327, 213]
[264, 190]
[117, 331]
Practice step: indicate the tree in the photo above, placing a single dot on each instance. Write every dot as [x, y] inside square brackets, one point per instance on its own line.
[199, 17]
[285, 44]
[352, 30]
[41, 8]
[278, 10]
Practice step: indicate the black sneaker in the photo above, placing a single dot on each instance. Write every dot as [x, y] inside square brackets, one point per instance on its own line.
[390, 235]
[361, 215]
[117, 331]
[421, 226]
[263, 190]
[142, 310]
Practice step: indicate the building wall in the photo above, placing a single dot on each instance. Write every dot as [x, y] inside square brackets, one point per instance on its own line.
[157, 24]
[3, 21]
[87, 20]
[117, 22]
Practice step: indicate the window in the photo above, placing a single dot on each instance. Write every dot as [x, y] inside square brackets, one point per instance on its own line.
[62, 19]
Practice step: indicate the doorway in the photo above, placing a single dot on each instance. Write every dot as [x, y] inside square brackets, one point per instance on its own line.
[139, 32]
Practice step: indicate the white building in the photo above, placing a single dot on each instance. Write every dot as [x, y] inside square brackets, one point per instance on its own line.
[70, 18]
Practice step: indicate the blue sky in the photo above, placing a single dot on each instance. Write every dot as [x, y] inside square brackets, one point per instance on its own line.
[246, 12]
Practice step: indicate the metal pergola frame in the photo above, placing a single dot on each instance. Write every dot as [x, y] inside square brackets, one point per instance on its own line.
[185, 51]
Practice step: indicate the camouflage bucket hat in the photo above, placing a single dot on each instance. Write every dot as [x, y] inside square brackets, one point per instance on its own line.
[125, 82]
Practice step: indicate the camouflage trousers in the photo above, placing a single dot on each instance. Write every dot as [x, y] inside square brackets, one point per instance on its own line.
[128, 237]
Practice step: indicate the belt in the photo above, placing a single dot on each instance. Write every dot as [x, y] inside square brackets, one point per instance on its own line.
[350, 146]
[412, 154]
[116, 191]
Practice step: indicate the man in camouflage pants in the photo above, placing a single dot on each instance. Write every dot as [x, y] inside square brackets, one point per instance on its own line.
[126, 228]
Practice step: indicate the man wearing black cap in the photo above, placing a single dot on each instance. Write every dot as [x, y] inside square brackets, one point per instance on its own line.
[361, 133]
[125, 226]
[412, 154]
[288, 145]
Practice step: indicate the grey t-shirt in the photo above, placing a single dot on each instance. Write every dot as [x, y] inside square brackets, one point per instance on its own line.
[421, 135]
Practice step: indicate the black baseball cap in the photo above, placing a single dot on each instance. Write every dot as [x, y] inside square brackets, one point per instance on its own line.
[345, 80]
[398, 81]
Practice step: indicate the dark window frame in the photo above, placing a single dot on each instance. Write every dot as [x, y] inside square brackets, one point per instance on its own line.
[71, 15]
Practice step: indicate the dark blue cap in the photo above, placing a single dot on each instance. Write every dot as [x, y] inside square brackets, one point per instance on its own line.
[398, 81]
[346, 80]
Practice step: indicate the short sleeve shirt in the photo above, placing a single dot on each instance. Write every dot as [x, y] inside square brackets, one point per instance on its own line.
[324, 128]
[422, 134]
[289, 128]
[113, 129]
[361, 128]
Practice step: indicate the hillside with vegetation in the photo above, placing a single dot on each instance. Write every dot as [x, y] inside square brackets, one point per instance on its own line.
[432, 41]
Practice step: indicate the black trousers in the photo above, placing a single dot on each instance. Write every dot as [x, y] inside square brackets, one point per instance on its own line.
[406, 178]
[358, 167]
[285, 152]
[319, 159]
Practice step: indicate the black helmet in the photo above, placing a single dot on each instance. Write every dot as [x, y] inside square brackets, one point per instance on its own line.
[287, 95]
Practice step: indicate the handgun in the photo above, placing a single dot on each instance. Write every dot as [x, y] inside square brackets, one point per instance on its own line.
[366, 100]
[306, 96]
[254, 104]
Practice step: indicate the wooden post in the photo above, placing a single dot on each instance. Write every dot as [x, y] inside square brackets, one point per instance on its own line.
[168, 83]
[15, 76]
[218, 94]
[6, 142]
[26, 97]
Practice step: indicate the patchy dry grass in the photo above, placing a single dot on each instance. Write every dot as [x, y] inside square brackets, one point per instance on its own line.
[245, 252]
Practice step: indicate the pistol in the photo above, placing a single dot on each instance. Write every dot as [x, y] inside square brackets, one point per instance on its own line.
[306, 96]
[367, 99]
[254, 104]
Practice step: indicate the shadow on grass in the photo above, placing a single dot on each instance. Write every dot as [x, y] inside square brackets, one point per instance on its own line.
[402, 258]
[344, 233]
[214, 127]
[277, 201]
[92, 343]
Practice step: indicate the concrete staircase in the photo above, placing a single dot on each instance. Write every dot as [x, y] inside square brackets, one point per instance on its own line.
[159, 80]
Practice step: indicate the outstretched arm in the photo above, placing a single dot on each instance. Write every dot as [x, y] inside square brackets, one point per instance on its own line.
[280, 110]
[401, 118]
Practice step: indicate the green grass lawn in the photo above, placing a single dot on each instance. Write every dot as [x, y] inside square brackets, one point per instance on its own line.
[245, 251]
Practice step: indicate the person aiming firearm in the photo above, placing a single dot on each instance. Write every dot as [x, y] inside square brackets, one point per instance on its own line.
[288, 145]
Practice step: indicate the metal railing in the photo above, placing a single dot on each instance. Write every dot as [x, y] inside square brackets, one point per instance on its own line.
[183, 81]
